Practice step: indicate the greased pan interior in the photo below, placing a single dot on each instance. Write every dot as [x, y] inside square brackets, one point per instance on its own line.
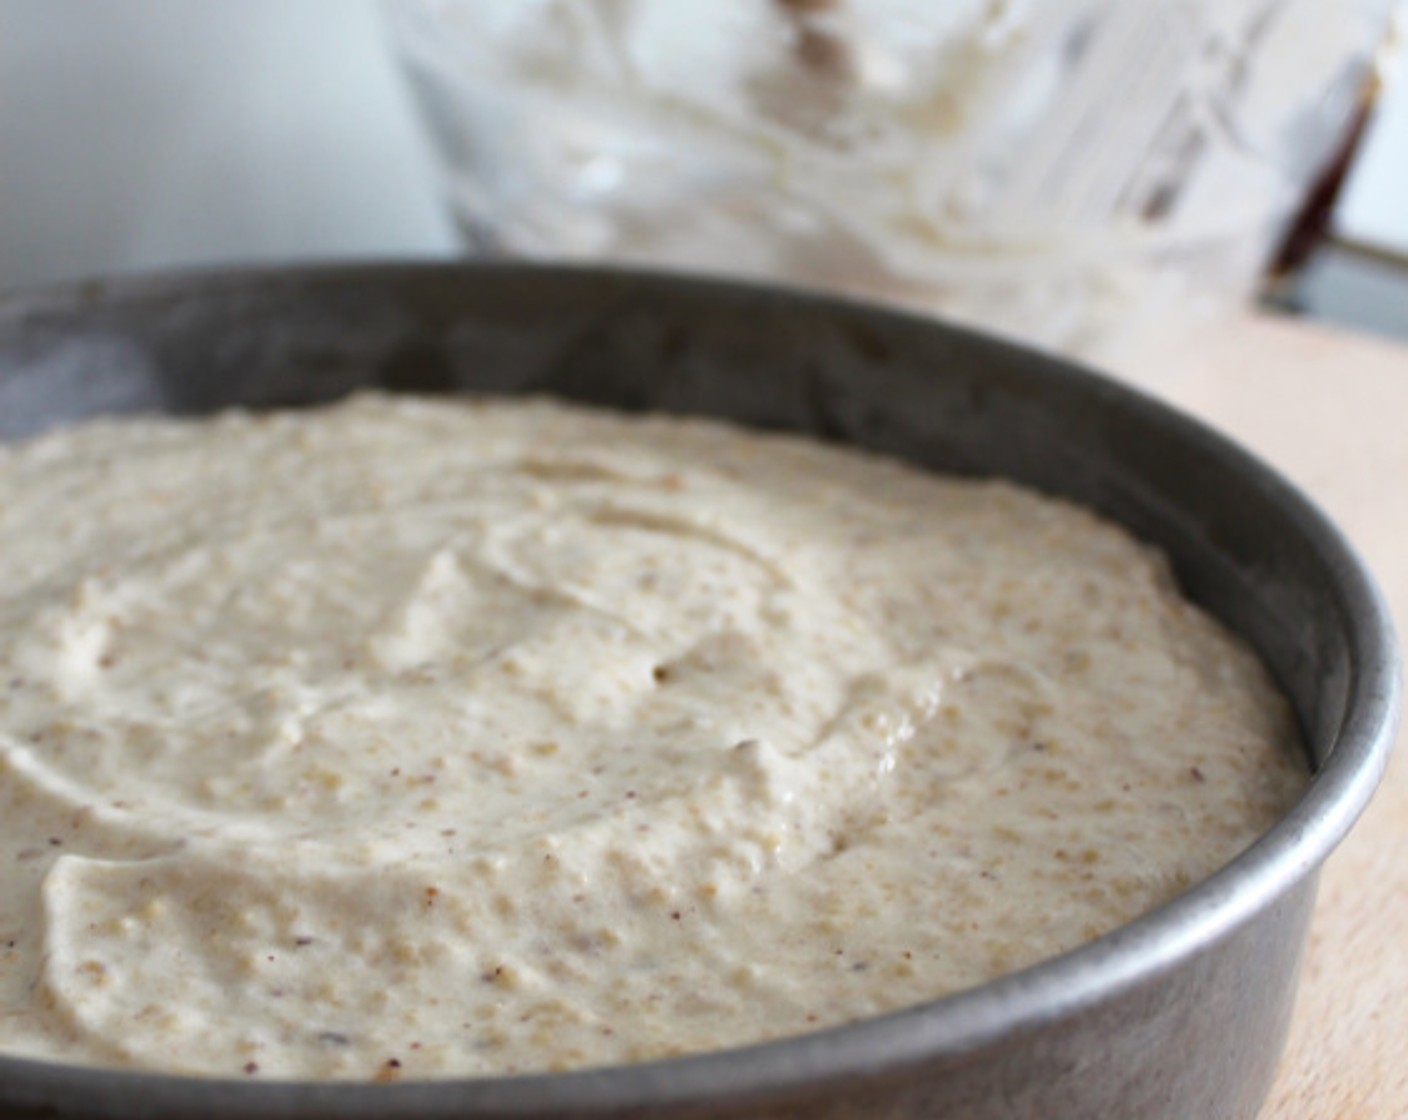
[1180, 1014]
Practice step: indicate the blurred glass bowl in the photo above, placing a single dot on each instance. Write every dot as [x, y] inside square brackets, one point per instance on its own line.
[1083, 174]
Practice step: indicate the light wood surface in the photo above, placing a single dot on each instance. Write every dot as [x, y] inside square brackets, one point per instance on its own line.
[1331, 411]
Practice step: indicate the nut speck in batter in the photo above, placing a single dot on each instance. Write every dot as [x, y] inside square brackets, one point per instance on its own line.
[408, 738]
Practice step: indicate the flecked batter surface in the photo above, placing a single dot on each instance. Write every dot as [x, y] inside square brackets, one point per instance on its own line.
[408, 738]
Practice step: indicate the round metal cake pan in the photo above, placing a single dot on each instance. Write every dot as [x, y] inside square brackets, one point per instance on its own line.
[1179, 1015]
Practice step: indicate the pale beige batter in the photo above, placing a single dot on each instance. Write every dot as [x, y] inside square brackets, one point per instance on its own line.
[410, 738]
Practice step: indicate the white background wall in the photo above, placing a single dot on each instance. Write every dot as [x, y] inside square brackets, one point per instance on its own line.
[1374, 206]
[139, 134]
[145, 133]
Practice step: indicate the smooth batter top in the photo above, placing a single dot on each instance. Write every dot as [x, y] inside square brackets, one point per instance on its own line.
[410, 738]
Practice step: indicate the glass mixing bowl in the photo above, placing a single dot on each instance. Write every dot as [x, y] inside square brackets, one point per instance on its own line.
[1075, 172]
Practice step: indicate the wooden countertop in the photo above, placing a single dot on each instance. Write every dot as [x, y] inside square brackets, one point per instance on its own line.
[1330, 410]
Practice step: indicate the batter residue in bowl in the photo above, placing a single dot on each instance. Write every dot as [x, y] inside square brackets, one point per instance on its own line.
[412, 739]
